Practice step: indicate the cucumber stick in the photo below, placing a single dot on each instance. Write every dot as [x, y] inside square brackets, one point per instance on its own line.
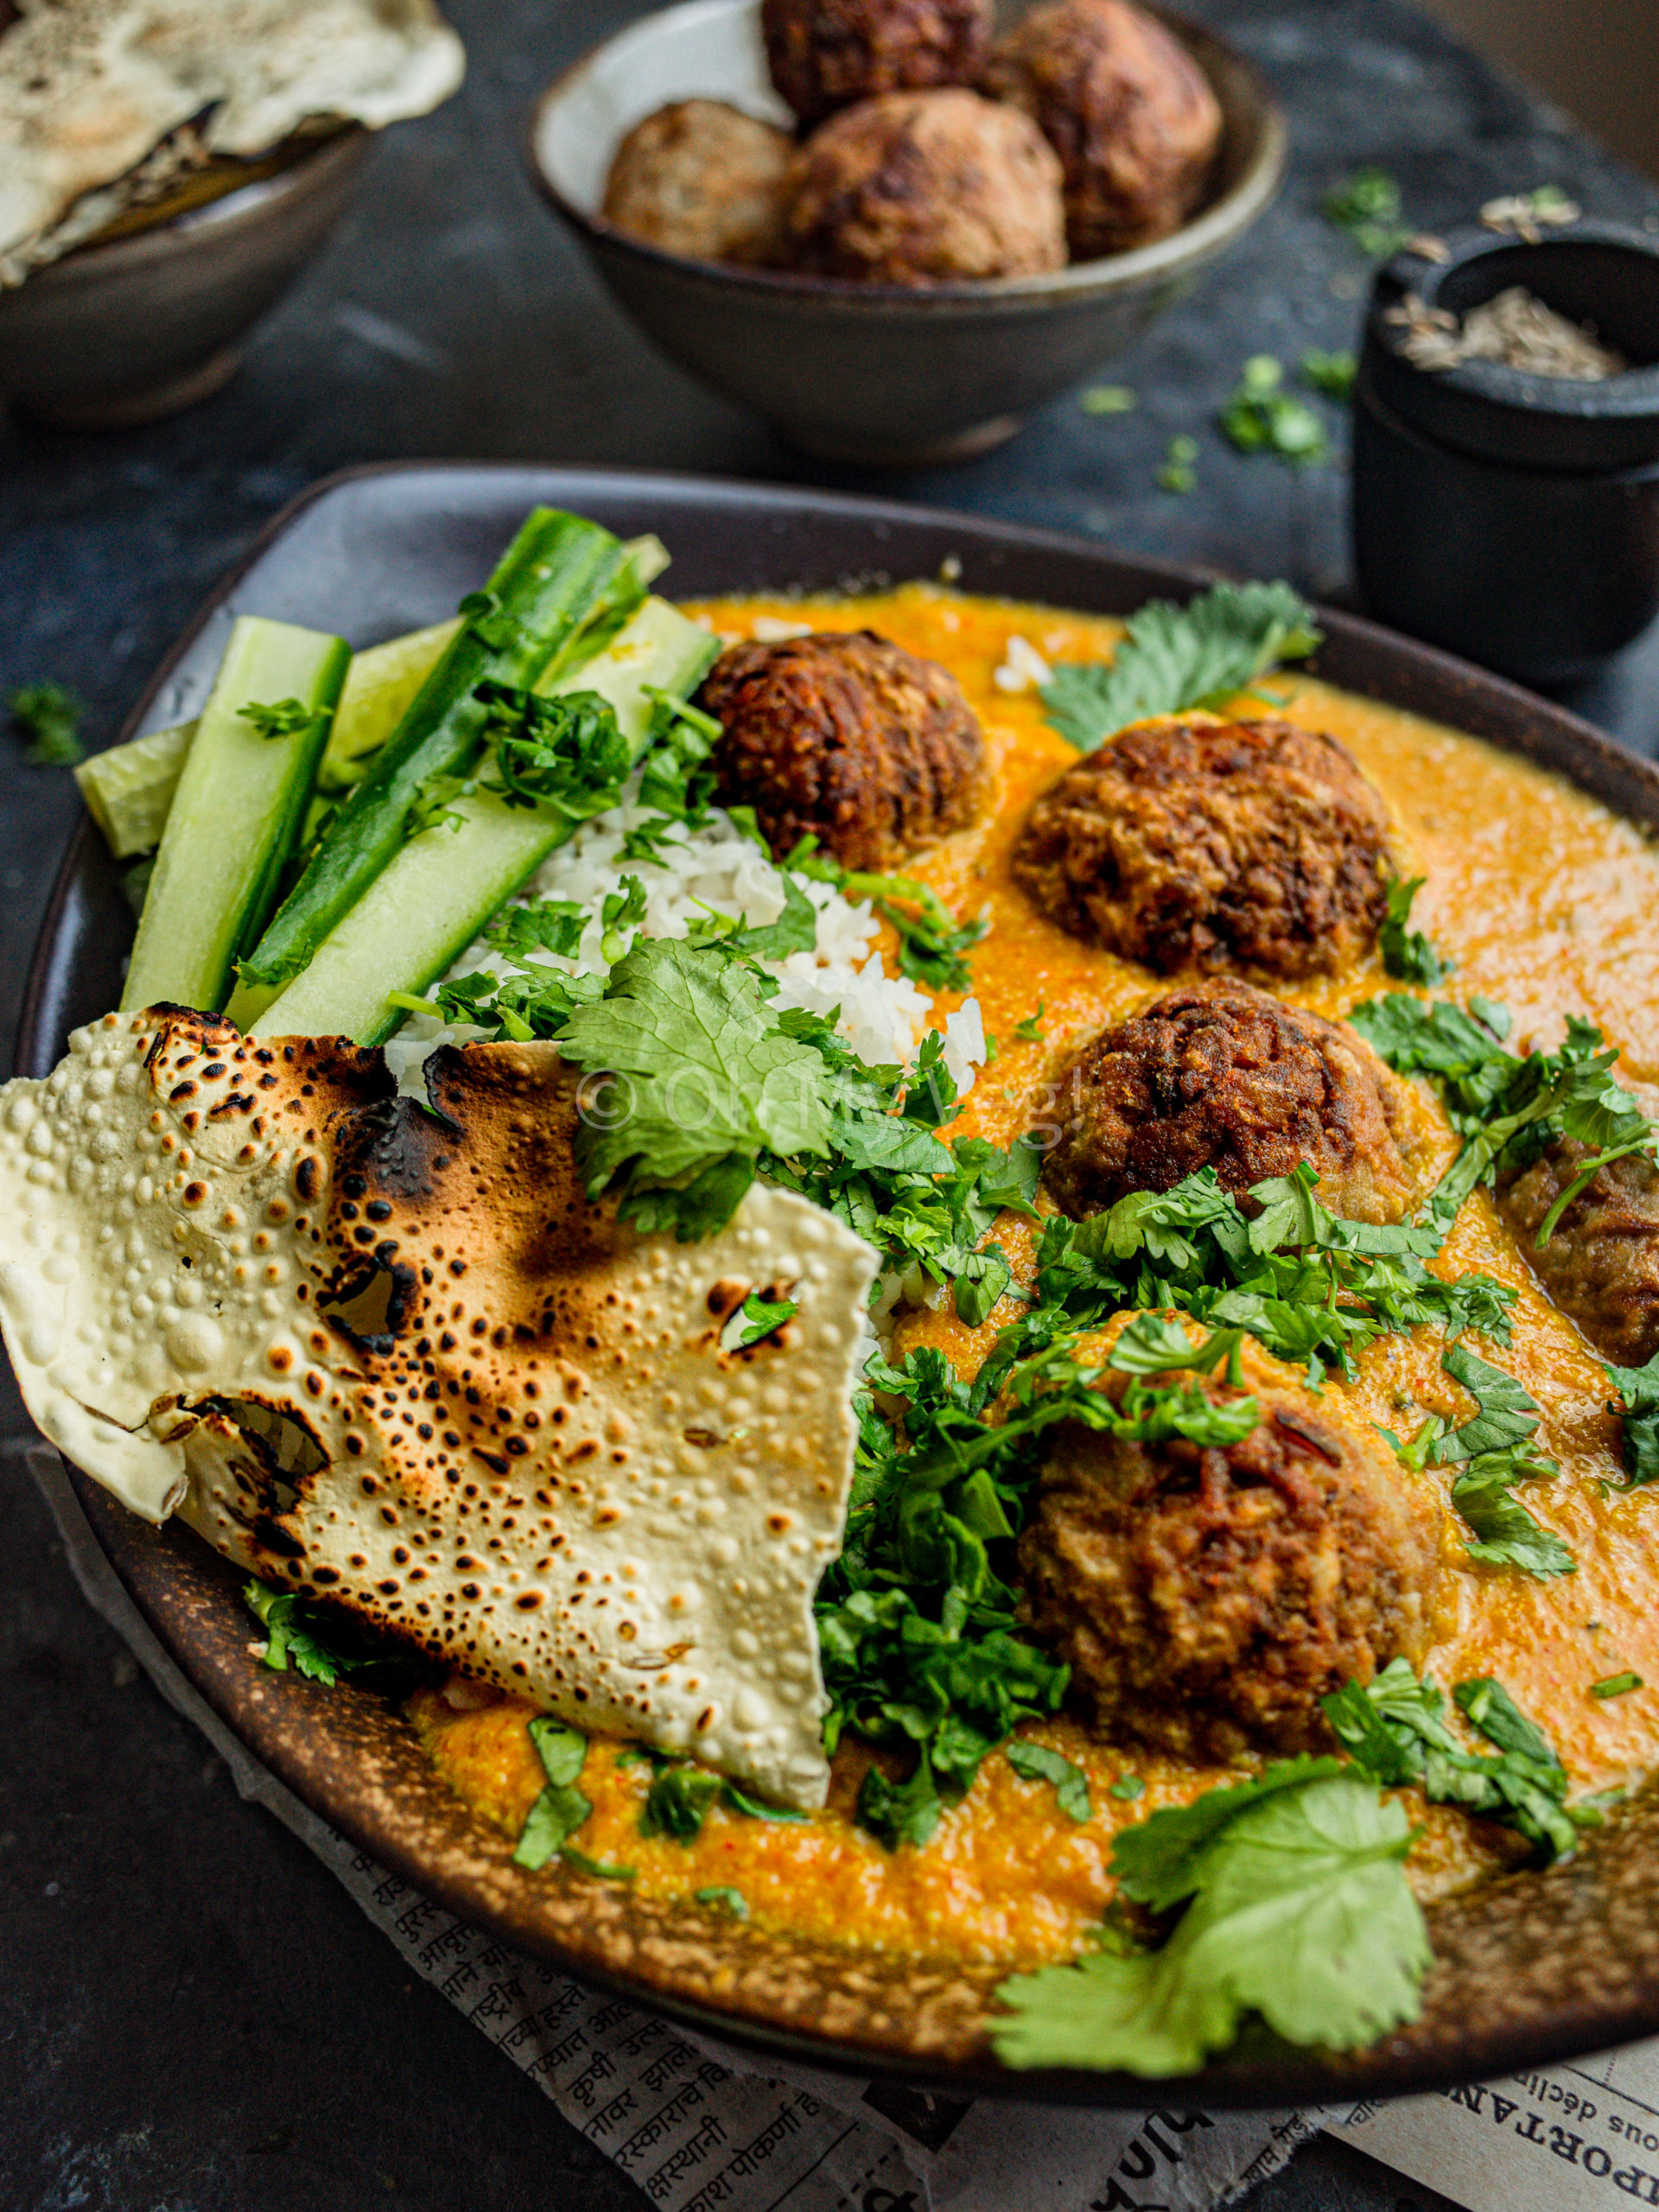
[240, 800]
[129, 789]
[381, 685]
[427, 908]
[557, 573]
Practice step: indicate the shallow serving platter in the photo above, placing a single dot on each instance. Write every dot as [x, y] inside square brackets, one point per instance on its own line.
[1528, 1970]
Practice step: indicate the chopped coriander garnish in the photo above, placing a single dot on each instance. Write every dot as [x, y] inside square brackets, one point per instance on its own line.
[1616, 1685]
[1394, 1730]
[1636, 1402]
[1173, 657]
[50, 717]
[734, 1901]
[295, 1637]
[1304, 1862]
[1407, 953]
[1036, 1763]
[600, 1869]
[1178, 474]
[1030, 1031]
[755, 1319]
[1259, 416]
[678, 1802]
[283, 720]
[1127, 1789]
[1107, 399]
[561, 1809]
[739, 1801]
[1331, 373]
[1366, 206]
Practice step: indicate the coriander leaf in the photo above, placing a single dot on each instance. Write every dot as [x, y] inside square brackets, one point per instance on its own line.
[542, 925]
[753, 1809]
[1506, 1533]
[734, 1901]
[50, 717]
[1508, 1414]
[1301, 1912]
[1030, 1031]
[1172, 658]
[565, 753]
[931, 940]
[1636, 1399]
[796, 929]
[1177, 474]
[702, 1071]
[294, 1638]
[678, 1802]
[1158, 1862]
[900, 1813]
[550, 1822]
[1259, 417]
[1407, 953]
[755, 1319]
[562, 1749]
[1036, 1763]
[283, 720]
[1128, 1788]
[598, 1867]
[985, 1279]
[1616, 1685]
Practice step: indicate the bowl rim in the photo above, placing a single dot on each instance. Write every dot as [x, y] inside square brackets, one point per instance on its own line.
[1209, 231]
[328, 1757]
[341, 149]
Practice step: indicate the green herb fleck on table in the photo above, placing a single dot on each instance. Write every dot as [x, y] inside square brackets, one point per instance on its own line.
[1365, 206]
[1331, 373]
[1179, 472]
[1107, 399]
[1172, 658]
[1616, 1685]
[50, 717]
[1296, 1909]
[1260, 416]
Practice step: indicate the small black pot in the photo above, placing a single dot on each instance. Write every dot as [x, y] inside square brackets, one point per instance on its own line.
[1513, 519]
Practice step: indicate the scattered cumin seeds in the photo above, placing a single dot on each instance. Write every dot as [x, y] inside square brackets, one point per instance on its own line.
[1515, 330]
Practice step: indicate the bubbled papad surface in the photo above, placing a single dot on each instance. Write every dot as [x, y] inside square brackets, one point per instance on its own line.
[396, 1358]
[89, 87]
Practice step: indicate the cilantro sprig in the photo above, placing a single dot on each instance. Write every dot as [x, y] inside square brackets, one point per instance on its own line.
[299, 1638]
[1173, 657]
[1407, 953]
[50, 717]
[1294, 1907]
[1508, 1109]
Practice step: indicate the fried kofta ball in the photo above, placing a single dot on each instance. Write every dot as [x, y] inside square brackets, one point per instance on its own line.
[1252, 846]
[1206, 1599]
[1225, 1077]
[1127, 108]
[926, 189]
[846, 738]
[823, 54]
[1601, 1264]
[700, 178]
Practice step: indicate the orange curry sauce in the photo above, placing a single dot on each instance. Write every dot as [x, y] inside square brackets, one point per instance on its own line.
[1546, 902]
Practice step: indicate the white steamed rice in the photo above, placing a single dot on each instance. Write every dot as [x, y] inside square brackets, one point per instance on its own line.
[883, 1017]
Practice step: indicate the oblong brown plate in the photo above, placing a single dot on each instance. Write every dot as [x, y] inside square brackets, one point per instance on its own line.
[1528, 1970]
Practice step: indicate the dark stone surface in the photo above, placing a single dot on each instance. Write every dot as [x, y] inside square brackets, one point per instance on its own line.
[194, 2015]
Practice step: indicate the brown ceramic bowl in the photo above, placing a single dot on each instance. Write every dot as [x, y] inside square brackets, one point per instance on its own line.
[883, 374]
[1528, 1970]
[144, 325]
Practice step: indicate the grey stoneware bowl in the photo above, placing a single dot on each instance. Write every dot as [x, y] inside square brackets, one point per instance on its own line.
[895, 375]
[149, 323]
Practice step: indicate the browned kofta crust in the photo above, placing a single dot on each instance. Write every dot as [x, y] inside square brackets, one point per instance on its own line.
[1206, 1599]
[926, 189]
[1224, 1076]
[845, 737]
[1128, 110]
[700, 178]
[1252, 846]
[1601, 1265]
[823, 54]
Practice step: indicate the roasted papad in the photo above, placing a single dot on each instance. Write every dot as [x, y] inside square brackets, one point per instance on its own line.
[394, 1357]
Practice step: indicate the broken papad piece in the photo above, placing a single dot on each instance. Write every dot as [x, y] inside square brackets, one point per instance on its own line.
[396, 1358]
[90, 89]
